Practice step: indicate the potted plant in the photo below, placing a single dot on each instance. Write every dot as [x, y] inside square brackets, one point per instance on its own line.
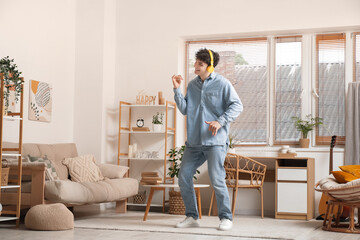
[305, 126]
[12, 80]
[175, 200]
[231, 144]
[157, 122]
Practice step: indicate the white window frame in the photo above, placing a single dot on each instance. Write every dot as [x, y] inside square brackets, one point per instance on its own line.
[349, 57]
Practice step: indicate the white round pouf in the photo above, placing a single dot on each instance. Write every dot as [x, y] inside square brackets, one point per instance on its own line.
[49, 217]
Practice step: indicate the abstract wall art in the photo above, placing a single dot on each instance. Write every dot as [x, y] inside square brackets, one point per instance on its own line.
[40, 101]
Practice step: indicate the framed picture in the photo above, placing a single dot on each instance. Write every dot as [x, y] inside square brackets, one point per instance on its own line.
[12, 101]
[40, 101]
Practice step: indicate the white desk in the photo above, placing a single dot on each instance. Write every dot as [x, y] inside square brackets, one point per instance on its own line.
[163, 186]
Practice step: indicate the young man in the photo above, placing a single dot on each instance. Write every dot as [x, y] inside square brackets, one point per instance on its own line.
[210, 104]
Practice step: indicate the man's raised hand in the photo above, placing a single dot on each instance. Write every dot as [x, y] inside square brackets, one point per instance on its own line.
[176, 79]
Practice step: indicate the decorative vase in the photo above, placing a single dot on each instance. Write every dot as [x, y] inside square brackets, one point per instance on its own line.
[157, 127]
[231, 150]
[304, 142]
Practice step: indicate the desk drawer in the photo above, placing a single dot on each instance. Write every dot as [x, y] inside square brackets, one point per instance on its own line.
[292, 174]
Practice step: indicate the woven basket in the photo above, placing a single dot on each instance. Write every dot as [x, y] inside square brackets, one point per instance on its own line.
[140, 198]
[4, 176]
[176, 203]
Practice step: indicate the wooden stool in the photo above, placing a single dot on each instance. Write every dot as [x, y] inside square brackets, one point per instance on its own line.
[337, 226]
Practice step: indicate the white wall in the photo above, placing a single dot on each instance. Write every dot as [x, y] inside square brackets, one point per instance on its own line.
[40, 36]
[89, 76]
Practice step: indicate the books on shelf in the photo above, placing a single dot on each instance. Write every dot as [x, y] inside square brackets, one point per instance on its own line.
[150, 182]
[150, 178]
[149, 174]
[142, 129]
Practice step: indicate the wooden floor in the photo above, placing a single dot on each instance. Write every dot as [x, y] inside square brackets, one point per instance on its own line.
[9, 232]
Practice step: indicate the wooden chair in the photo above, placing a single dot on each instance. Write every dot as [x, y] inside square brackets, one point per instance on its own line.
[242, 172]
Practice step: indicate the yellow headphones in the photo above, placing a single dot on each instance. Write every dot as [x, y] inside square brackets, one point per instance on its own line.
[210, 68]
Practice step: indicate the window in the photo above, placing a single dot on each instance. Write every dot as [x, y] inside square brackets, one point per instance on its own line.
[330, 87]
[287, 88]
[278, 78]
[244, 63]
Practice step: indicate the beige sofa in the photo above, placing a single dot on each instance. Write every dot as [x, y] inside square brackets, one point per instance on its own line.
[37, 191]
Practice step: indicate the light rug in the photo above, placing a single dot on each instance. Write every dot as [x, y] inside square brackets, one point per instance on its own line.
[244, 226]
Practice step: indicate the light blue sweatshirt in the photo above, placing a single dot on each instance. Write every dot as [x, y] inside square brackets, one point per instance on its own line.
[215, 99]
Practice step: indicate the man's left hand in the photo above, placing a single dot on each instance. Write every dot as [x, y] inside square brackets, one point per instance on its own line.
[214, 126]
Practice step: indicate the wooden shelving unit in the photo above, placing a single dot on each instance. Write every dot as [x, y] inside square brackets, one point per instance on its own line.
[10, 214]
[170, 131]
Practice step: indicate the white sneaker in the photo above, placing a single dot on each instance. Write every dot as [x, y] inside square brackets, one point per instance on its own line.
[188, 223]
[225, 224]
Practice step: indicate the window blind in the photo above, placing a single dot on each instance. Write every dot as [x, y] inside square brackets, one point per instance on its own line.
[330, 86]
[288, 56]
[357, 57]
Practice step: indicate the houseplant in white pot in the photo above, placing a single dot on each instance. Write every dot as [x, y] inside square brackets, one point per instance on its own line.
[231, 148]
[176, 203]
[305, 126]
[157, 122]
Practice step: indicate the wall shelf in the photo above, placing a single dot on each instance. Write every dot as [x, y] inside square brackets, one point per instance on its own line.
[10, 186]
[147, 106]
[11, 154]
[142, 159]
[4, 218]
[10, 118]
[145, 132]
[18, 116]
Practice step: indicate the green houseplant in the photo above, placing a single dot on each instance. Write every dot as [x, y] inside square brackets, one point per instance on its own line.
[157, 121]
[12, 80]
[176, 203]
[231, 144]
[175, 157]
[305, 126]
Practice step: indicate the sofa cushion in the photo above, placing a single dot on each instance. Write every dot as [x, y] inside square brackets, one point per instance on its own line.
[83, 169]
[113, 171]
[55, 153]
[108, 190]
[343, 177]
[352, 169]
[50, 171]
[330, 183]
